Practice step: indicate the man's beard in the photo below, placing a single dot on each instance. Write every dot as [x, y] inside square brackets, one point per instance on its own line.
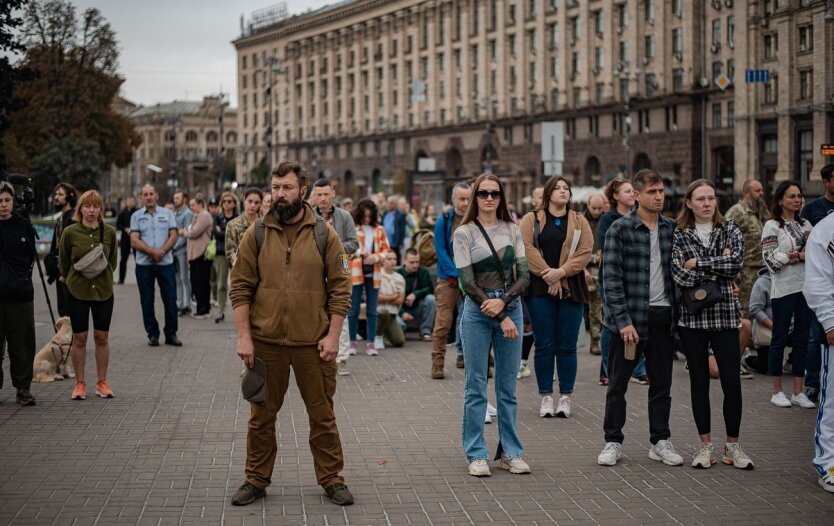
[284, 213]
[59, 206]
[759, 208]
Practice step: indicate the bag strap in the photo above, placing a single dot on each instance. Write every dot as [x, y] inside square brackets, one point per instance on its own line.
[494, 253]
[101, 234]
[319, 233]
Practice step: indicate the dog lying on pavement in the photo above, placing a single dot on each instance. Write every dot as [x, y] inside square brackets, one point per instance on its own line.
[53, 362]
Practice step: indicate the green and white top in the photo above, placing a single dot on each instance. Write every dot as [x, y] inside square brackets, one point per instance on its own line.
[478, 272]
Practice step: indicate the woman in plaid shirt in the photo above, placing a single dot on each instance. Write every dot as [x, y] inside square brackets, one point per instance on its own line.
[706, 247]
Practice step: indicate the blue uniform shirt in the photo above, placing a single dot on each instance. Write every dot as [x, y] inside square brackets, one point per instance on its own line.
[153, 230]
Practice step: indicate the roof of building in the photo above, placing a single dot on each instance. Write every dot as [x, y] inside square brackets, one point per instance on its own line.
[172, 109]
[251, 30]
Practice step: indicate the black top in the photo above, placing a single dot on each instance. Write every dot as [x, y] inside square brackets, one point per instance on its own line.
[218, 231]
[552, 238]
[816, 210]
[17, 256]
[60, 225]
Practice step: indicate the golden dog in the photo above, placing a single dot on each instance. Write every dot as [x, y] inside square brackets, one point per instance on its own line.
[53, 360]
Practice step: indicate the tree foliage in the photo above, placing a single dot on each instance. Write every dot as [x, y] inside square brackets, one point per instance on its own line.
[69, 99]
[10, 76]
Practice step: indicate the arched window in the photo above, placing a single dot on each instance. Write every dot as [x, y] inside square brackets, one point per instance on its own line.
[231, 137]
[211, 136]
[593, 171]
[170, 136]
[190, 136]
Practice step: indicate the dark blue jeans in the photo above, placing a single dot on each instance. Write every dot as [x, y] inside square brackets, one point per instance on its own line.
[146, 275]
[371, 296]
[814, 361]
[792, 306]
[605, 347]
[556, 325]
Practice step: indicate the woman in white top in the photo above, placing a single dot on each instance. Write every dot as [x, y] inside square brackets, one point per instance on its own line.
[783, 249]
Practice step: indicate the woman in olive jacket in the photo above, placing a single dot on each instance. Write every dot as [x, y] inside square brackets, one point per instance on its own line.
[86, 295]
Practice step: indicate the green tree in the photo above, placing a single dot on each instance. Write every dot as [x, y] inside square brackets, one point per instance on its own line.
[68, 102]
[10, 76]
[70, 159]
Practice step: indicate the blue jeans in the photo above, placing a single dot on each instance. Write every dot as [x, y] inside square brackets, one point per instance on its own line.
[814, 362]
[371, 295]
[458, 342]
[478, 333]
[556, 325]
[423, 311]
[183, 280]
[784, 309]
[165, 275]
[605, 347]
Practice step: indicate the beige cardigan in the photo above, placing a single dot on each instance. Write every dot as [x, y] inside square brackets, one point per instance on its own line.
[580, 241]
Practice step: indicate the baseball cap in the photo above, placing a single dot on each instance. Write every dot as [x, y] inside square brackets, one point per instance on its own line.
[214, 201]
[253, 386]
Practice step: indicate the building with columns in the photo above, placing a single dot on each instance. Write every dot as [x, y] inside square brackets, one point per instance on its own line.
[413, 95]
[187, 141]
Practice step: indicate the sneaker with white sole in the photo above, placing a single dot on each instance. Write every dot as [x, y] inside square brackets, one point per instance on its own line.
[563, 409]
[379, 343]
[665, 452]
[370, 350]
[780, 400]
[546, 409]
[734, 456]
[744, 373]
[611, 454]
[827, 483]
[352, 349]
[488, 418]
[523, 372]
[341, 369]
[479, 468]
[514, 465]
[492, 410]
[802, 401]
[704, 458]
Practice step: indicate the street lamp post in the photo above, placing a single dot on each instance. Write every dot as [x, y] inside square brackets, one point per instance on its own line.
[627, 133]
[224, 101]
[273, 63]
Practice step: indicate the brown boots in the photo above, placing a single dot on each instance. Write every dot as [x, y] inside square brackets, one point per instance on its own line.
[437, 367]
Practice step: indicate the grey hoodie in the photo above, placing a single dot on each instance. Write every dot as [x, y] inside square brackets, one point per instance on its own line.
[760, 308]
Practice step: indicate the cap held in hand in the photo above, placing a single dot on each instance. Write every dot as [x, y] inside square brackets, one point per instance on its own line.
[253, 385]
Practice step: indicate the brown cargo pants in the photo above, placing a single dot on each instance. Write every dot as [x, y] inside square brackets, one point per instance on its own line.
[316, 380]
[445, 296]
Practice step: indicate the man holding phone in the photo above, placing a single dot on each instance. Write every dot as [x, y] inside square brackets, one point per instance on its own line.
[640, 301]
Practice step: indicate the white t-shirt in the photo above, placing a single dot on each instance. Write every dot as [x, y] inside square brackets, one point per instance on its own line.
[392, 283]
[704, 230]
[657, 285]
[369, 238]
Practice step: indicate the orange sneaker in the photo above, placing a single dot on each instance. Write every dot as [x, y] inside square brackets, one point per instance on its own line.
[80, 391]
[103, 389]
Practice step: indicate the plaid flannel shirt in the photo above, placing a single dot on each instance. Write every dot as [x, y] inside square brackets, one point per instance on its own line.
[712, 265]
[626, 272]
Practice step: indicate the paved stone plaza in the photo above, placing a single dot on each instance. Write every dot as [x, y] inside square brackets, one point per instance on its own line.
[170, 448]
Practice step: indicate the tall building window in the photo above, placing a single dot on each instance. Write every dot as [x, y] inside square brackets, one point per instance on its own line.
[493, 14]
[717, 67]
[493, 50]
[599, 92]
[806, 154]
[731, 113]
[806, 38]
[770, 90]
[576, 97]
[598, 26]
[513, 78]
[624, 95]
[649, 47]
[771, 46]
[769, 5]
[554, 67]
[623, 55]
[677, 40]
[554, 35]
[531, 8]
[511, 15]
[574, 29]
[731, 68]
[554, 99]
[598, 56]
[731, 29]
[716, 32]
[651, 84]
[511, 45]
[806, 84]
[574, 63]
[649, 10]
[716, 115]
[531, 36]
[622, 16]
[533, 76]
[677, 8]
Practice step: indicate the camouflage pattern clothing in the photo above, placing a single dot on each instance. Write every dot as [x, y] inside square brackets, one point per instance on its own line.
[234, 234]
[751, 229]
[595, 303]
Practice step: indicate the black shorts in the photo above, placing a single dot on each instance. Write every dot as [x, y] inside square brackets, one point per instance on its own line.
[79, 313]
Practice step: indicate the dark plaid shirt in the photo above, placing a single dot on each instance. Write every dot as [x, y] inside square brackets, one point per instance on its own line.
[712, 265]
[626, 265]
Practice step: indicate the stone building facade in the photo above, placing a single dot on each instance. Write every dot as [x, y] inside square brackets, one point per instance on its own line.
[363, 89]
[186, 140]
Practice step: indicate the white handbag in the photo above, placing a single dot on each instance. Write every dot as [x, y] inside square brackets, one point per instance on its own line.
[761, 335]
[93, 262]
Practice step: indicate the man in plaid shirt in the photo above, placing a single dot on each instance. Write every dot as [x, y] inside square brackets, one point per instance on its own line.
[641, 300]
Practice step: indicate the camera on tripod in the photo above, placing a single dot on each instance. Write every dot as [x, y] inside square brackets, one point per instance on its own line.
[24, 194]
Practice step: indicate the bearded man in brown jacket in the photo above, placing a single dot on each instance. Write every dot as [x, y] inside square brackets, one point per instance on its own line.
[290, 302]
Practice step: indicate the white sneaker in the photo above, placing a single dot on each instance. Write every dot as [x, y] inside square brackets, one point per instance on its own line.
[479, 468]
[523, 372]
[664, 452]
[802, 401]
[341, 369]
[492, 410]
[487, 418]
[546, 409]
[704, 459]
[563, 409]
[827, 483]
[611, 454]
[734, 456]
[514, 465]
[780, 400]
[352, 349]
[379, 343]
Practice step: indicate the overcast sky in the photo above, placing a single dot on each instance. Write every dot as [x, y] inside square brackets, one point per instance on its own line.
[179, 49]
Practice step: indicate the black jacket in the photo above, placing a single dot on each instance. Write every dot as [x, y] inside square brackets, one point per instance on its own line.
[17, 257]
[123, 222]
[60, 225]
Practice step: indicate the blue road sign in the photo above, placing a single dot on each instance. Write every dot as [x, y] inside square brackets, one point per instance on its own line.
[752, 76]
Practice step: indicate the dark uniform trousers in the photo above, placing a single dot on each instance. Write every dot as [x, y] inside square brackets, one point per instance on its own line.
[316, 380]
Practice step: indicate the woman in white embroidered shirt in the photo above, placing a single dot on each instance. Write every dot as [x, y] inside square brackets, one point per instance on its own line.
[707, 248]
[783, 249]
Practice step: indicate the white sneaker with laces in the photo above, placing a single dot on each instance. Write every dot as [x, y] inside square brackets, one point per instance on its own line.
[664, 452]
[523, 372]
[479, 468]
[546, 409]
[827, 483]
[704, 459]
[341, 369]
[780, 400]
[734, 456]
[487, 418]
[492, 410]
[379, 343]
[611, 454]
[563, 409]
[802, 401]
[514, 465]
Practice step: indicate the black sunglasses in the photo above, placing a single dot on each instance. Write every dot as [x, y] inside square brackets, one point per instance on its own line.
[483, 194]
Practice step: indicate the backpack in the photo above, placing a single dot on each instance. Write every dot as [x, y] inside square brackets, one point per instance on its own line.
[423, 243]
[319, 232]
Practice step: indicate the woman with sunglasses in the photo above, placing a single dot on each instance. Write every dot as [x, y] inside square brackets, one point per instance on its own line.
[708, 248]
[366, 272]
[783, 249]
[492, 271]
[228, 211]
[558, 243]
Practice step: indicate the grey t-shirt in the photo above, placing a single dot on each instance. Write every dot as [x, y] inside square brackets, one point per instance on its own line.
[657, 286]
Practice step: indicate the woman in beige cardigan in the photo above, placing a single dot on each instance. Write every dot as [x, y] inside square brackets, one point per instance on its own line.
[558, 243]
